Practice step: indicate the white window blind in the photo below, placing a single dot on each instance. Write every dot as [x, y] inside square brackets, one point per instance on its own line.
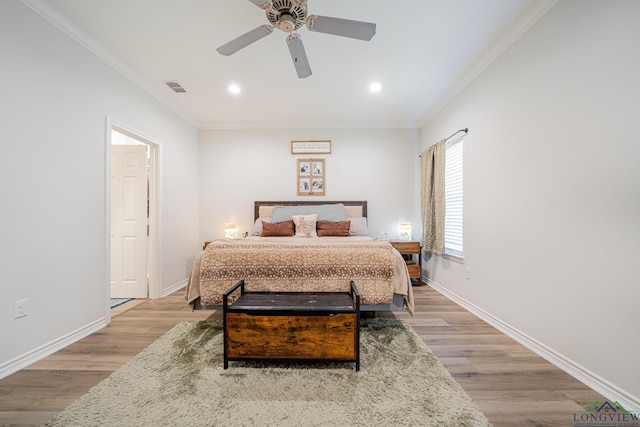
[453, 199]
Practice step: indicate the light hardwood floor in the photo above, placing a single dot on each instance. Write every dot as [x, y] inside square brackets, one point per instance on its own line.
[510, 384]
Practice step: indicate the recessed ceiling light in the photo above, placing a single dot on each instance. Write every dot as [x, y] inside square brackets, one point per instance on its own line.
[234, 88]
[375, 87]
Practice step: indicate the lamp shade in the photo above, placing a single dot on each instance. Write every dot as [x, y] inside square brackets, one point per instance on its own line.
[230, 230]
[405, 231]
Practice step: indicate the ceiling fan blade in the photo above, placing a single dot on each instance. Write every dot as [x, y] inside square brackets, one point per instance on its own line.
[260, 3]
[244, 40]
[299, 56]
[342, 27]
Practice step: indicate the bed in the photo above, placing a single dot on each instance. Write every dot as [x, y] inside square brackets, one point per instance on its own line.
[304, 246]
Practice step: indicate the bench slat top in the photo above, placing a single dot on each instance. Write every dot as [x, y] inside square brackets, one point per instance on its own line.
[334, 302]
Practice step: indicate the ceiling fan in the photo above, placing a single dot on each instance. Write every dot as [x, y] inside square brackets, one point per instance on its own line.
[289, 16]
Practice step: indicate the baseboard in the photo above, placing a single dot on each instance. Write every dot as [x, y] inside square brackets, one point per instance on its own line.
[21, 362]
[174, 288]
[588, 378]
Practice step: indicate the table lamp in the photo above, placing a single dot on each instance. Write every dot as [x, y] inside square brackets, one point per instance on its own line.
[405, 231]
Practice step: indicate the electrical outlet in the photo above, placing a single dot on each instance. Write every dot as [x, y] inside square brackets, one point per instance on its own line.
[20, 308]
[468, 273]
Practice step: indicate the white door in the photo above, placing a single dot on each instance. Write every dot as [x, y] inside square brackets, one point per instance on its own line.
[129, 221]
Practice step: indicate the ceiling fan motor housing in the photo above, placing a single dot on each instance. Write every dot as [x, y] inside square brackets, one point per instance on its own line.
[287, 15]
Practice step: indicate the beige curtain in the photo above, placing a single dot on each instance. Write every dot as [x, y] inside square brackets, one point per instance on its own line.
[432, 201]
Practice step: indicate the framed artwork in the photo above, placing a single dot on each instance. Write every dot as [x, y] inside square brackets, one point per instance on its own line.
[311, 177]
[311, 147]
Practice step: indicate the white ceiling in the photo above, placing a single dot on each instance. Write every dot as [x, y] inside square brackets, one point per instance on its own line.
[422, 50]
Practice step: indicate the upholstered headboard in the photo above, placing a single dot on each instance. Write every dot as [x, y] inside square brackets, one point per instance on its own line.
[353, 208]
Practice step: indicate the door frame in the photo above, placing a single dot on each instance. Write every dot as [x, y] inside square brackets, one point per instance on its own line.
[154, 255]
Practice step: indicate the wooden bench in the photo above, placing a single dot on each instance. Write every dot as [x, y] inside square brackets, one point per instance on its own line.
[292, 326]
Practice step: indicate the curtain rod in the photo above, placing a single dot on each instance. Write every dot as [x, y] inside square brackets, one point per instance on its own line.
[465, 130]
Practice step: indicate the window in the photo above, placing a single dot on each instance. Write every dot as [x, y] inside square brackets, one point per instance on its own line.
[453, 199]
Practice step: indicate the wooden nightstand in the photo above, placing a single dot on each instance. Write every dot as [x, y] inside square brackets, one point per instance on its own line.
[408, 250]
[206, 243]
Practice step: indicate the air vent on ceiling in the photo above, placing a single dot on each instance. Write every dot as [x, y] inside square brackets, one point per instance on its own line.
[175, 86]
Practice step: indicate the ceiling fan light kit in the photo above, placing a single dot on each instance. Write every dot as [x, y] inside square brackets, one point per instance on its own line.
[287, 23]
[290, 15]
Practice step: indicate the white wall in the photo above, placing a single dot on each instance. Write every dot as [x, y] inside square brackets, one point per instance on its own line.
[238, 167]
[552, 191]
[54, 106]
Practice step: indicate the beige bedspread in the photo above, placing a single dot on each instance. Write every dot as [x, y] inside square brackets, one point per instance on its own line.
[301, 265]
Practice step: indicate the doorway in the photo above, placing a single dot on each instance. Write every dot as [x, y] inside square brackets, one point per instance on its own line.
[133, 209]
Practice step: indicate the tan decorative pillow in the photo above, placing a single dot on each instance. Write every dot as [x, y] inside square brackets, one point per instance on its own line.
[278, 230]
[325, 228]
[305, 225]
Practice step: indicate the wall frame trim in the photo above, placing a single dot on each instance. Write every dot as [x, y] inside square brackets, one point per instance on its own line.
[21, 362]
[588, 378]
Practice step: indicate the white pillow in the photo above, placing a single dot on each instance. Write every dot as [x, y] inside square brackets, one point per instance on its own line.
[305, 225]
[257, 226]
[358, 226]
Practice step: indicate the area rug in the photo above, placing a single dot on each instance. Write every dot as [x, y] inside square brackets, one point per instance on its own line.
[179, 381]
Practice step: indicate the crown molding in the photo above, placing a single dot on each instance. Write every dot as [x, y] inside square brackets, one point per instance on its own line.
[43, 9]
[308, 125]
[54, 17]
[537, 11]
